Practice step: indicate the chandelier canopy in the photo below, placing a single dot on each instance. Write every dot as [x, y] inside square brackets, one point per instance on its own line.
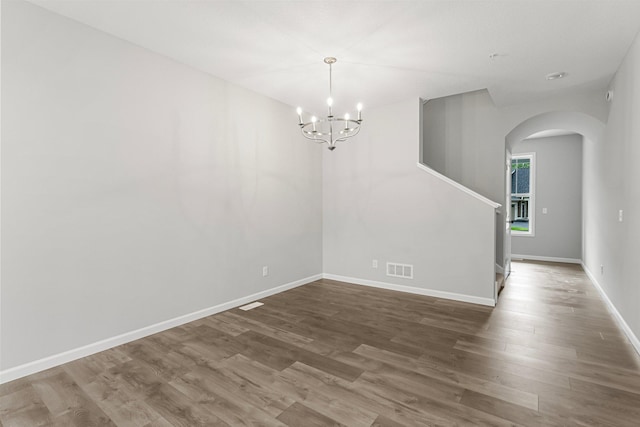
[330, 129]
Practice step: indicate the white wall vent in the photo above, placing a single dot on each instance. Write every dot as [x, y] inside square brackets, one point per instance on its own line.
[400, 270]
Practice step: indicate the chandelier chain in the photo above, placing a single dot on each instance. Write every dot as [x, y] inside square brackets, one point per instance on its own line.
[330, 82]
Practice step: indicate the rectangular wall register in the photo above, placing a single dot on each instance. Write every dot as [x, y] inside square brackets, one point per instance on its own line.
[400, 270]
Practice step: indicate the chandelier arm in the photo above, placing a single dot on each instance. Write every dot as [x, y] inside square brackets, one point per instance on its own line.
[316, 140]
[356, 124]
[315, 134]
[346, 138]
[356, 131]
[351, 131]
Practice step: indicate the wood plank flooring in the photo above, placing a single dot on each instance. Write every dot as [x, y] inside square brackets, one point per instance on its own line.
[331, 353]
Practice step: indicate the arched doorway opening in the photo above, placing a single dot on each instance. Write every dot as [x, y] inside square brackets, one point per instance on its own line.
[591, 130]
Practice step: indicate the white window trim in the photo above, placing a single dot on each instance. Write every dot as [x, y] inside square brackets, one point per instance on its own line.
[532, 195]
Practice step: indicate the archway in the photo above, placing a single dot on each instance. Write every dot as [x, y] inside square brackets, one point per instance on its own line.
[581, 123]
[589, 127]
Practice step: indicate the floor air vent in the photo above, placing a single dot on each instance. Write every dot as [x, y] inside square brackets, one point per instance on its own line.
[250, 306]
[400, 270]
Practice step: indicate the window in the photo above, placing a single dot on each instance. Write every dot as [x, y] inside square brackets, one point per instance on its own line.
[522, 194]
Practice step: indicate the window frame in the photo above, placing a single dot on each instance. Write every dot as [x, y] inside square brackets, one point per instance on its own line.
[532, 194]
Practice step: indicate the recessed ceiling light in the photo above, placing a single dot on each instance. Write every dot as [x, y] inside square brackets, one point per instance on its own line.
[556, 76]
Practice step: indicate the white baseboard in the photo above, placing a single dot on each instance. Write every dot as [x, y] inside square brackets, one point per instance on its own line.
[87, 350]
[413, 290]
[612, 308]
[516, 257]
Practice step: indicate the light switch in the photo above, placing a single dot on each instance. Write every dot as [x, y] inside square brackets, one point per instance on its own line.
[620, 215]
[544, 211]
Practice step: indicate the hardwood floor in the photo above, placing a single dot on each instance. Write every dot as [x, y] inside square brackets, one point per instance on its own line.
[330, 353]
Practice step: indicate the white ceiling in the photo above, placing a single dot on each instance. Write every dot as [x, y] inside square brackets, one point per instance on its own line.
[387, 50]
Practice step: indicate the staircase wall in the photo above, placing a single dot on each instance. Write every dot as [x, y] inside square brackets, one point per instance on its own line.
[379, 205]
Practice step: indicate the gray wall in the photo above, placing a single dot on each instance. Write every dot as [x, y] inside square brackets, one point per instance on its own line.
[612, 183]
[610, 177]
[477, 131]
[451, 145]
[558, 188]
[460, 139]
[435, 136]
[136, 189]
[379, 205]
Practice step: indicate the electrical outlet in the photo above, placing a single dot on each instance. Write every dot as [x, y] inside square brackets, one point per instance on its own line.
[544, 211]
[620, 215]
[601, 269]
[265, 271]
[374, 264]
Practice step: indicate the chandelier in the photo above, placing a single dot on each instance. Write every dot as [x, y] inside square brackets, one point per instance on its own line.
[330, 129]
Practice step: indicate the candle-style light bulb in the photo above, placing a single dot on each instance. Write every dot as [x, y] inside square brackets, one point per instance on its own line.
[359, 108]
[299, 111]
[329, 102]
[346, 121]
[313, 122]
